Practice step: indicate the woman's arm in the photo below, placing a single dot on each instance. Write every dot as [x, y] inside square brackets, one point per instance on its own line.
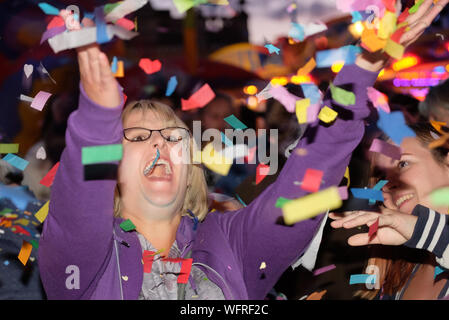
[77, 232]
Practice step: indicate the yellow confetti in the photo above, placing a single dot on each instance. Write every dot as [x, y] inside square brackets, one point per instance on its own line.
[371, 41]
[347, 176]
[22, 221]
[307, 68]
[120, 70]
[387, 25]
[327, 114]
[311, 205]
[263, 265]
[42, 213]
[215, 161]
[394, 49]
[301, 110]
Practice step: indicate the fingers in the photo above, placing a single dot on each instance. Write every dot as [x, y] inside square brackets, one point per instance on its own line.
[94, 64]
[105, 69]
[361, 220]
[362, 239]
[413, 18]
[339, 223]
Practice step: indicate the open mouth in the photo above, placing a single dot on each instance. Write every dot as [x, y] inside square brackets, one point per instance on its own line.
[158, 168]
[403, 199]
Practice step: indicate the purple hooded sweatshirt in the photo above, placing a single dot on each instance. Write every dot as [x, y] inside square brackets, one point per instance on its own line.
[81, 234]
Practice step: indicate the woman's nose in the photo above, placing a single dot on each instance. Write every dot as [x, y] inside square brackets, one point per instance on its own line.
[156, 140]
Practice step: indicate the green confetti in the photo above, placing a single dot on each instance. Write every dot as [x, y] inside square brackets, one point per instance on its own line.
[110, 6]
[9, 147]
[342, 96]
[98, 154]
[416, 6]
[440, 197]
[127, 225]
[281, 201]
[5, 211]
[35, 244]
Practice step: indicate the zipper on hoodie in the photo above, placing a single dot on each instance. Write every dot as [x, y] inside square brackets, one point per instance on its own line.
[221, 278]
[116, 238]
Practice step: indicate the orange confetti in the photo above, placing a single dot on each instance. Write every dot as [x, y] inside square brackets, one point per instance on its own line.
[316, 295]
[25, 252]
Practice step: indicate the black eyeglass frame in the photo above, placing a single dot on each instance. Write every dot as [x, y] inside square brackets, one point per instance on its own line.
[151, 133]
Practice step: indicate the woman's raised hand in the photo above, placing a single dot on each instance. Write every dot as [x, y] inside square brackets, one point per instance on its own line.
[395, 228]
[96, 75]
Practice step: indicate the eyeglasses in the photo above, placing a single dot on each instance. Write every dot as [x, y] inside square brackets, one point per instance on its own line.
[171, 134]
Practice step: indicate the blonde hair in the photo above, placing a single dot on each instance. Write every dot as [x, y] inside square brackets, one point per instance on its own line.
[196, 194]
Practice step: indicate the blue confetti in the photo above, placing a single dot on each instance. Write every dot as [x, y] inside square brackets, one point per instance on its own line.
[362, 278]
[378, 186]
[393, 125]
[16, 161]
[240, 200]
[226, 140]
[171, 86]
[296, 32]
[369, 194]
[356, 16]
[346, 54]
[438, 270]
[235, 123]
[102, 35]
[312, 92]
[114, 65]
[271, 48]
[48, 9]
[6, 263]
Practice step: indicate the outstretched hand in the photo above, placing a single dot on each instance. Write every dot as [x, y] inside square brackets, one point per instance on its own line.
[395, 228]
[96, 75]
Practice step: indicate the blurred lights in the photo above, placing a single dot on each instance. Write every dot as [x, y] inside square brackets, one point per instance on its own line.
[250, 90]
[252, 102]
[336, 66]
[381, 73]
[300, 79]
[279, 81]
[405, 63]
[356, 29]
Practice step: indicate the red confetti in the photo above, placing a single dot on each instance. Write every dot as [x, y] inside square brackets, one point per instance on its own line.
[49, 177]
[199, 99]
[148, 258]
[389, 4]
[373, 229]
[149, 66]
[56, 22]
[312, 180]
[186, 266]
[396, 36]
[125, 23]
[261, 172]
[403, 16]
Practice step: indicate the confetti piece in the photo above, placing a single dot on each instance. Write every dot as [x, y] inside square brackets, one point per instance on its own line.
[251, 153]
[313, 28]
[48, 9]
[6, 262]
[301, 110]
[120, 71]
[114, 65]
[342, 96]
[327, 115]
[127, 225]
[100, 24]
[184, 5]
[25, 252]
[343, 191]
[373, 229]
[171, 86]
[9, 147]
[438, 270]
[261, 172]
[311, 92]
[356, 16]
[186, 267]
[437, 125]
[387, 25]
[415, 6]
[307, 68]
[125, 23]
[263, 265]
[394, 49]
[370, 40]
[393, 124]
[28, 69]
[41, 154]
[311, 205]
[215, 161]
[199, 99]
[312, 180]
[324, 269]
[378, 99]
[379, 185]
[26, 98]
[287, 99]
[440, 197]
[16, 161]
[265, 93]
[35, 244]
[39, 100]
[362, 193]
[271, 48]
[148, 259]
[225, 140]
[235, 123]
[316, 295]
[240, 200]
[56, 22]
[362, 278]
[326, 58]
[296, 31]
[49, 177]
[149, 66]
[386, 148]
[45, 71]
[104, 153]
[43, 212]
[439, 142]
[281, 201]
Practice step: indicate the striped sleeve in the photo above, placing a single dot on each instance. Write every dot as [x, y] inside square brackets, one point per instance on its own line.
[431, 233]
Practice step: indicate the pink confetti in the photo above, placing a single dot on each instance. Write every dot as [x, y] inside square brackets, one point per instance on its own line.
[286, 98]
[324, 269]
[386, 148]
[40, 99]
[343, 191]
